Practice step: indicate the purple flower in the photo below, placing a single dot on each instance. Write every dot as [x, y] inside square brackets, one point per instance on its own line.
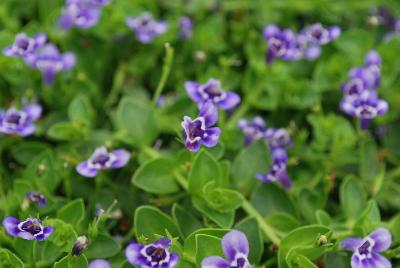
[282, 44]
[277, 172]
[50, 61]
[99, 263]
[366, 106]
[99, 2]
[101, 159]
[278, 138]
[212, 91]
[253, 130]
[35, 197]
[24, 45]
[200, 130]
[80, 13]
[20, 122]
[354, 87]
[154, 255]
[369, 75]
[366, 250]
[80, 245]
[145, 27]
[29, 229]
[373, 58]
[236, 250]
[318, 35]
[185, 27]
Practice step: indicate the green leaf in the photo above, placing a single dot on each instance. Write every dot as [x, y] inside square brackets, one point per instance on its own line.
[190, 241]
[42, 171]
[249, 226]
[223, 200]
[25, 151]
[156, 176]
[205, 169]
[67, 131]
[270, 198]
[206, 246]
[72, 261]
[150, 222]
[9, 259]
[298, 260]
[304, 241]
[222, 219]
[64, 235]
[334, 260]
[73, 212]
[138, 120]
[353, 198]
[370, 217]
[309, 201]
[185, 221]
[323, 217]
[103, 246]
[369, 161]
[80, 110]
[250, 161]
[282, 222]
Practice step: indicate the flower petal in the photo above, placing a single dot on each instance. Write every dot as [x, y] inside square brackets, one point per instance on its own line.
[164, 242]
[133, 255]
[10, 224]
[235, 242]
[351, 243]
[232, 99]
[378, 261]
[215, 262]
[212, 138]
[68, 60]
[122, 158]
[193, 147]
[382, 238]
[192, 88]
[48, 230]
[34, 111]
[173, 260]
[84, 170]
[27, 130]
[210, 113]
[99, 263]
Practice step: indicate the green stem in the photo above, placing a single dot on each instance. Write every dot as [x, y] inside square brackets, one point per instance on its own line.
[150, 152]
[116, 86]
[237, 115]
[165, 72]
[34, 254]
[265, 228]
[181, 180]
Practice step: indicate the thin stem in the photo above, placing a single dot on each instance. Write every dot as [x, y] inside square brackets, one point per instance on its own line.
[239, 113]
[265, 228]
[119, 79]
[165, 72]
[150, 152]
[34, 254]
[181, 180]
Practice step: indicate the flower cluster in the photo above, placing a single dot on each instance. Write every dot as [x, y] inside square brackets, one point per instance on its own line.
[366, 250]
[289, 46]
[101, 159]
[209, 97]
[44, 57]
[146, 27]
[360, 97]
[236, 250]
[81, 13]
[278, 140]
[20, 122]
[30, 229]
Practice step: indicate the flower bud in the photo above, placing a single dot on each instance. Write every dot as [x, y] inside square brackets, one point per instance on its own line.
[80, 245]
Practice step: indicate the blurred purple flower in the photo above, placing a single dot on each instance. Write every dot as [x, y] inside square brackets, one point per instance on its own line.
[24, 45]
[277, 172]
[236, 250]
[318, 35]
[366, 106]
[253, 130]
[366, 250]
[199, 130]
[212, 91]
[36, 197]
[101, 159]
[278, 138]
[185, 27]
[154, 255]
[99, 263]
[30, 229]
[99, 2]
[20, 122]
[145, 27]
[80, 13]
[50, 61]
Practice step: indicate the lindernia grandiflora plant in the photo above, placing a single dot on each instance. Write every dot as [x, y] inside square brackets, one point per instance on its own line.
[199, 134]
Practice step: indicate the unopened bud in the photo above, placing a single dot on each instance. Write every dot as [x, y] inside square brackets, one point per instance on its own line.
[80, 245]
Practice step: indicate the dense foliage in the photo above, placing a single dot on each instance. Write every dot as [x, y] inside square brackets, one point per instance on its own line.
[161, 133]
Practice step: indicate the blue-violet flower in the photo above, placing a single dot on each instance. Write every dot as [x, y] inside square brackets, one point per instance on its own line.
[24, 45]
[30, 229]
[253, 130]
[146, 27]
[99, 263]
[20, 122]
[35, 197]
[277, 172]
[154, 255]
